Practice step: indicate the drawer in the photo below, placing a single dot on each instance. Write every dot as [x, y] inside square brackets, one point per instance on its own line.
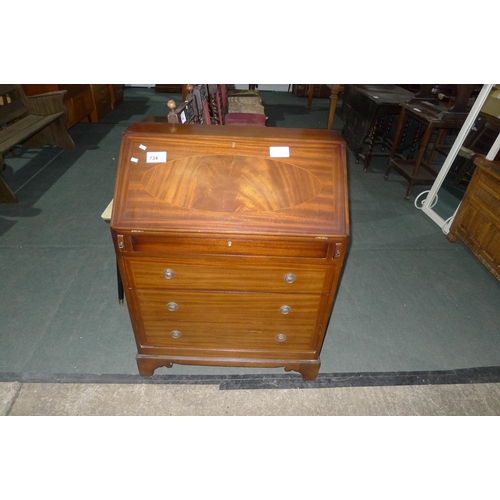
[218, 337]
[174, 308]
[238, 330]
[79, 107]
[486, 196]
[102, 101]
[101, 92]
[238, 274]
[315, 249]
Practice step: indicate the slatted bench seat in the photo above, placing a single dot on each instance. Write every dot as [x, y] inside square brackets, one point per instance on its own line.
[32, 122]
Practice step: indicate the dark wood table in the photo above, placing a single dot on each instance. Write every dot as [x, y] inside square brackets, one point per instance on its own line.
[369, 113]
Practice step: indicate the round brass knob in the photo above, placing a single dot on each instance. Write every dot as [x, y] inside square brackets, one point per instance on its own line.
[285, 309]
[172, 306]
[290, 278]
[168, 274]
[176, 334]
[281, 337]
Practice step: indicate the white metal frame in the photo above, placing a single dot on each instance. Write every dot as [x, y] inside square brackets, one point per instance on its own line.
[431, 198]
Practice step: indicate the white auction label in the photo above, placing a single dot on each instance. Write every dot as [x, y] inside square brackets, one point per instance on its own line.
[156, 157]
[279, 152]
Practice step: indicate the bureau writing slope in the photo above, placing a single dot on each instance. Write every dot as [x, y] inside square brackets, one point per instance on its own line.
[230, 242]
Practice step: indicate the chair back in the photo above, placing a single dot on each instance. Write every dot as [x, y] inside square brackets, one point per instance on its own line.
[12, 104]
[215, 103]
[185, 113]
[200, 93]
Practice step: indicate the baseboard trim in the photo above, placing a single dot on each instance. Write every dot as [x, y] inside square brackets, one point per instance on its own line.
[480, 375]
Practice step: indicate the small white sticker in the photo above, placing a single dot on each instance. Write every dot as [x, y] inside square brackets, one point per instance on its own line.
[279, 152]
[183, 117]
[135, 160]
[156, 157]
[143, 147]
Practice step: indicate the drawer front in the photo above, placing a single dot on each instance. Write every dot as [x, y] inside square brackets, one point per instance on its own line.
[173, 308]
[218, 321]
[246, 275]
[486, 196]
[79, 107]
[102, 99]
[316, 249]
[220, 337]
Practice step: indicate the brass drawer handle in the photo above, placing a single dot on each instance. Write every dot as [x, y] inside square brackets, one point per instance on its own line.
[168, 274]
[176, 334]
[281, 337]
[172, 306]
[285, 309]
[290, 278]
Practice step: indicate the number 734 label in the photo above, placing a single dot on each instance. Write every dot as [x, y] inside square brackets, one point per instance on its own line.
[156, 157]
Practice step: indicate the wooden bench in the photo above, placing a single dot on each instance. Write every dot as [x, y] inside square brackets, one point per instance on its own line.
[30, 121]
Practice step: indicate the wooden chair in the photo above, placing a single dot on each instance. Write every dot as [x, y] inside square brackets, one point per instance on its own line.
[433, 120]
[200, 93]
[250, 114]
[185, 113]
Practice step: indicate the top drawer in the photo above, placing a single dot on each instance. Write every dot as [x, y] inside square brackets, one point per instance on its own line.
[230, 274]
[315, 249]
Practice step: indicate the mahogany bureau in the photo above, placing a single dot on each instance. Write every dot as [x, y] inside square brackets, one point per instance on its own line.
[230, 242]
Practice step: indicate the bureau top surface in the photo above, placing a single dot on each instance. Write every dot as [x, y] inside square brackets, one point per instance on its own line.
[234, 179]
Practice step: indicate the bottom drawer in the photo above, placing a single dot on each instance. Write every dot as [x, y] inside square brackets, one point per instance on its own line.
[228, 320]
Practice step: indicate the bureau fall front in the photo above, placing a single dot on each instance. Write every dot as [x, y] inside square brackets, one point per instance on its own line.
[230, 242]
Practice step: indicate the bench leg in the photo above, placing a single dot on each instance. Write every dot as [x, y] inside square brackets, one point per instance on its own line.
[6, 194]
[55, 134]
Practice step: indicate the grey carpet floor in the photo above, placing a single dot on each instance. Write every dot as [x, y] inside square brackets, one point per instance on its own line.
[409, 300]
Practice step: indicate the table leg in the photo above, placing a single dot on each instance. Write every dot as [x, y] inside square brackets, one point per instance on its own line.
[334, 97]
[310, 97]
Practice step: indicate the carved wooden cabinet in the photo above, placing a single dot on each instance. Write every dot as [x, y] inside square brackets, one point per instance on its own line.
[477, 222]
[230, 242]
[101, 97]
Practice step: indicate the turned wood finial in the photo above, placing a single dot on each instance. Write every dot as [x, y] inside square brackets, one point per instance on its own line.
[189, 88]
[171, 104]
